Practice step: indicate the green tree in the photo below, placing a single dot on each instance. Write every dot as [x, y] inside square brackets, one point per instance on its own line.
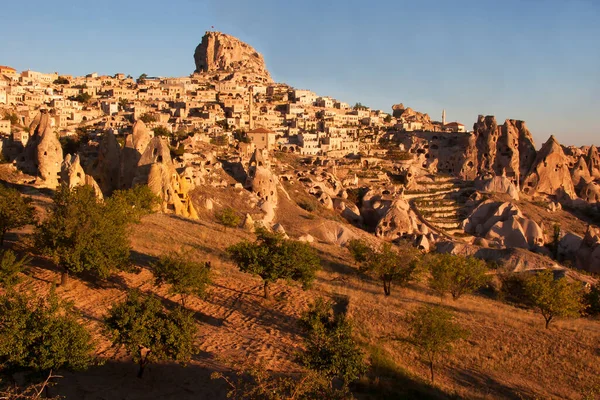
[228, 217]
[592, 300]
[330, 348]
[162, 131]
[123, 104]
[258, 382]
[359, 249]
[61, 80]
[84, 234]
[135, 202]
[185, 277]
[556, 235]
[272, 258]
[147, 118]
[149, 332]
[41, 334]
[13, 118]
[142, 79]
[83, 98]
[387, 264]
[16, 211]
[10, 267]
[433, 333]
[457, 275]
[554, 297]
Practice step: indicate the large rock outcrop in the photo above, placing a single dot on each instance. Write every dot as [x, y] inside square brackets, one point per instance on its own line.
[593, 162]
[219, 52]
[550, 172]
[156, 169]
[135, 145]
[505, 150]
[588, 254]
[106, 168]
[261, 180]
[72, 175]
[43, 154]
[505, 225]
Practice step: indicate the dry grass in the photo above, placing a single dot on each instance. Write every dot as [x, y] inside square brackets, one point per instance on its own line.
[508, 354]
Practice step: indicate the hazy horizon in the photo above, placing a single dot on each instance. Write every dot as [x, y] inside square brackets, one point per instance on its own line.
[515, 60]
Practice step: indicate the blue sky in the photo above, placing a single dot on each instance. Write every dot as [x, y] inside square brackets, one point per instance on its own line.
[536, 60]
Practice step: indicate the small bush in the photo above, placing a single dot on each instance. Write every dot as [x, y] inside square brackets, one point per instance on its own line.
[433, 332]
[185, 277]
[228, 217]
[10, 267]
[592, 300]
[308, 205]
[330, 348]
[149, 332]
[457, 275]
[554, 297]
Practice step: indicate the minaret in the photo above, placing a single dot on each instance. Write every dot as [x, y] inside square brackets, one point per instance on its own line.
[250, 106]
[444, 117]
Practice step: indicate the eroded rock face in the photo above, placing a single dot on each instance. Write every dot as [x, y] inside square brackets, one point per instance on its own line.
[498, 184]
[73, 175]
[593, 162]
[590, 192]
[588, 254]
[219, 52]
[106, 169]
[43, 154]
[135, 146]
[550, 173]
[261, 180]
[506, 150]
[156, 169]
[505, 225]
[580, 174]
[398, 221]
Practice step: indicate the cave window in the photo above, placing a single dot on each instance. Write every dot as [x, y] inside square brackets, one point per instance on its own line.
[159, 159]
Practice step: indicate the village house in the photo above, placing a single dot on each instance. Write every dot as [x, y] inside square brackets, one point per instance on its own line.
[5, 126]
[263, 138]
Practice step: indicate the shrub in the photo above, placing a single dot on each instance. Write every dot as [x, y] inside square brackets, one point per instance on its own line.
[135, 202]
[147, 118]
[10, 266]
[16, 211]
[330, 348]
[456, 274]
[307, 205]
[149, 332]
[433, 332]
[185, 277]
[161, 131]
[554, 297]
[592, 300]
[272, 258]
[228, 217]
[84, 234]
[41, 335]
[387, 264]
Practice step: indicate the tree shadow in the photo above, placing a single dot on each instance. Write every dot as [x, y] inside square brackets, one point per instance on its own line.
[494, 389]
[142, 259]
[235, 170]
[28, 189]
[256, 310]
[117, 380]
[387, 381]
[199, 315]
